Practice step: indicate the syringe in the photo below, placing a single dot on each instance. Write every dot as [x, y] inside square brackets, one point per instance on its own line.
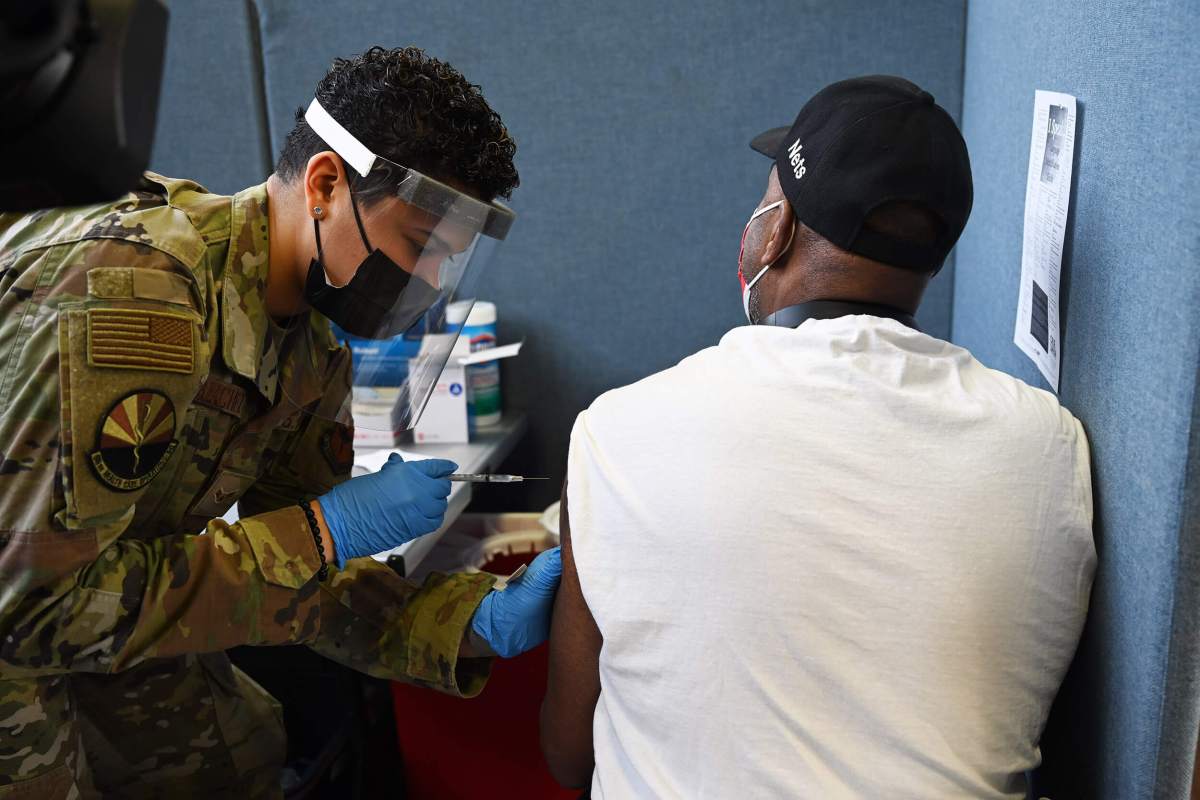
[487, 477]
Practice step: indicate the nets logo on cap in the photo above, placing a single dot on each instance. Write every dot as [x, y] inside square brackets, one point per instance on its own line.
[798, 168]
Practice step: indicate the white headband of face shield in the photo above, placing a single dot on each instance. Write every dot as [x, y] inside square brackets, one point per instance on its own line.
[341, 140]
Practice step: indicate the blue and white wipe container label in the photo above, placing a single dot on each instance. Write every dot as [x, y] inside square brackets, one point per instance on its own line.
[483, 380]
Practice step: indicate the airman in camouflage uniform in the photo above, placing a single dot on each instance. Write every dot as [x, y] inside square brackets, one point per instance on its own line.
[144, 391]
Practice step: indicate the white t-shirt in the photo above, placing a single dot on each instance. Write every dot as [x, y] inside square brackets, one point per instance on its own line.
[844, 560]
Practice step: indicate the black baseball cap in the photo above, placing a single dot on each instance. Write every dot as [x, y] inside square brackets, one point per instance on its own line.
[864, 142]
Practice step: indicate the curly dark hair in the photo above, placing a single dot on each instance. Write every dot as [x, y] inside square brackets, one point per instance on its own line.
[416, 111]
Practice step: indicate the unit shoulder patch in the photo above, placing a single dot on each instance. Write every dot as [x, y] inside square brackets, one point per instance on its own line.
[131, 338]
[134, 441]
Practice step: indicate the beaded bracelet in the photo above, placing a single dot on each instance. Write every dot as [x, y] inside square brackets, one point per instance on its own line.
[323, 572]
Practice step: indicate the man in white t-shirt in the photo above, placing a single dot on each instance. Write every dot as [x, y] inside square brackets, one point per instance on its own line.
[833, 556]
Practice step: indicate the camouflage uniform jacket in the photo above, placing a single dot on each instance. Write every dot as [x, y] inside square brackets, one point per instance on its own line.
[141, 395]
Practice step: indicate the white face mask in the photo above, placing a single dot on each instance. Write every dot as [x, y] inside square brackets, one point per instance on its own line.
[748, 285]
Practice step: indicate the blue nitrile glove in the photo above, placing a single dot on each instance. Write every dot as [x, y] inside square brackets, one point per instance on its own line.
[373, 513]
[518, 618]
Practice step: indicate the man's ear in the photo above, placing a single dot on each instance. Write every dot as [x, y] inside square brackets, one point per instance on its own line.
[779, 237]
[322, 175]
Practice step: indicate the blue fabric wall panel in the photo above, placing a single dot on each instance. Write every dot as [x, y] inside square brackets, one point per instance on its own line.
[632, 121]
[211, 119]
[1130, 345]
[1182, 728]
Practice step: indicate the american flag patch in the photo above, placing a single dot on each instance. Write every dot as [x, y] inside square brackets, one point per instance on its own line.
[135, 339]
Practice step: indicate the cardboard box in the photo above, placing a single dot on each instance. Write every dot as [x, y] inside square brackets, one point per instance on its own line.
[445, 417]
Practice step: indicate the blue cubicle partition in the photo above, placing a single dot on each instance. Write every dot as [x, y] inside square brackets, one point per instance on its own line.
[632, 119]
[1125, 727]
[212, 121]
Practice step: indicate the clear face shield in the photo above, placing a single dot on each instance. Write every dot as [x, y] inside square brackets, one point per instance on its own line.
[386, 286]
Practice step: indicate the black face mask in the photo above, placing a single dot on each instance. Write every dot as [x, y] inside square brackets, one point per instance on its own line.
[381, 300]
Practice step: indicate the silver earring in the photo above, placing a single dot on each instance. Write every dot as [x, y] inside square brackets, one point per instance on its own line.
[318, 210]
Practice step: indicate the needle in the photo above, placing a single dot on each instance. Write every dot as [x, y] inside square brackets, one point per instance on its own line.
[487, 477]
